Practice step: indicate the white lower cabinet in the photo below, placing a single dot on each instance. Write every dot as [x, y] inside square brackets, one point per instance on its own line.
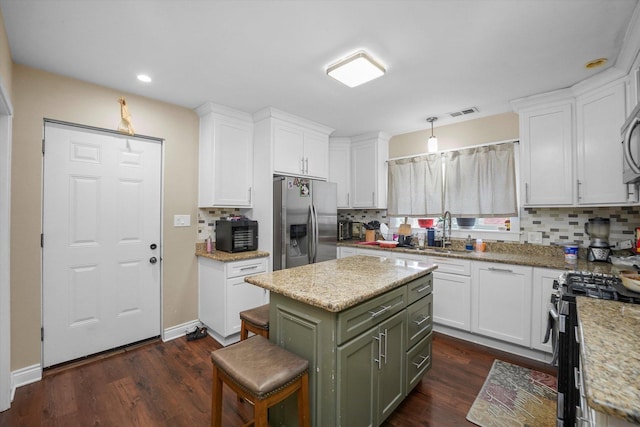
[501, 296]
[345, 251]
[541, 297]
[223, 294]
[452, 293]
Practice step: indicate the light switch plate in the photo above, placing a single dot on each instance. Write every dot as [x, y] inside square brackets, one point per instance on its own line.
[534, 237]
[182, 220]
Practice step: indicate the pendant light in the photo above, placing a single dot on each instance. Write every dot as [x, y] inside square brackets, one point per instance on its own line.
[432, 144]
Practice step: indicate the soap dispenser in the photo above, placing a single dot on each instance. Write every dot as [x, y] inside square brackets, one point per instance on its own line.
[468, 244]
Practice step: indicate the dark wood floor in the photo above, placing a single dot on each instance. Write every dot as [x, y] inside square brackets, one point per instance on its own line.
[169, 384]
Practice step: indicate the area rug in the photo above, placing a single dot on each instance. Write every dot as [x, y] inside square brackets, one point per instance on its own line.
[515, 396]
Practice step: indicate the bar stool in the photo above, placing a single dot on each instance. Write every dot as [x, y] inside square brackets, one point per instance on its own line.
[255, 320]
[262, 373]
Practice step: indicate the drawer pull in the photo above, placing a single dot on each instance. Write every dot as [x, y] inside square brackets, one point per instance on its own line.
[379, 312]
[421, 321]
[424, 288]
[251, 267]
[422, 362]
[503, 270]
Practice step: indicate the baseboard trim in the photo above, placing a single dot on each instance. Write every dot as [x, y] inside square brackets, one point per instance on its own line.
[179, 330]
[529, 353]
[24, 376]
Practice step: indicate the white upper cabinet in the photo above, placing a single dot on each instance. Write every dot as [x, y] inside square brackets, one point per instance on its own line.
[300, 147]
[600, 115]
[369, 154]
[570, 146]
[225, 175]
[547, 155]
[340, 169]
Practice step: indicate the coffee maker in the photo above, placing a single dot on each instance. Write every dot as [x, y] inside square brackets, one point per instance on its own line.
[598, 230]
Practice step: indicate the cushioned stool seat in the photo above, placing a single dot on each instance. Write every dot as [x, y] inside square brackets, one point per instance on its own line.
[255, 320]
[264, 374]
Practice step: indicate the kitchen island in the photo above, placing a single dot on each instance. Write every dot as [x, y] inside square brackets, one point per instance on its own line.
[363, 323]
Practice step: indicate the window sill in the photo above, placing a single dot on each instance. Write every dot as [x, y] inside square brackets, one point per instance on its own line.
[506, 236]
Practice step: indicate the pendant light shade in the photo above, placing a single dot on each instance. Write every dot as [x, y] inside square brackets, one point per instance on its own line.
[432, 143]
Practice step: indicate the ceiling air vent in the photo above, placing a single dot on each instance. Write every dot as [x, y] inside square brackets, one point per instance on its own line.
[464, 112]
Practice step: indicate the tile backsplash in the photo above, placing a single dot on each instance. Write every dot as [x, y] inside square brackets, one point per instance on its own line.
[207, 219]
[558, 225]
[563, 225]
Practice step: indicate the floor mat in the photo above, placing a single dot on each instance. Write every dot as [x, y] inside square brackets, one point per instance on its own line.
[515, 396]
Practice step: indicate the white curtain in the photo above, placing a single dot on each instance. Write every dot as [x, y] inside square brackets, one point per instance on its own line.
[480, 182]
[415, 186]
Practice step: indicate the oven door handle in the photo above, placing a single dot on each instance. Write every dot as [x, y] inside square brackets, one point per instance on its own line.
[553, 317]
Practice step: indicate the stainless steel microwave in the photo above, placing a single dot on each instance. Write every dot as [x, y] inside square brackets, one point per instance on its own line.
[631, 147]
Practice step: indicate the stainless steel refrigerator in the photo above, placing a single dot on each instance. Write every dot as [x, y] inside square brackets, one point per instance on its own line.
[305, 221]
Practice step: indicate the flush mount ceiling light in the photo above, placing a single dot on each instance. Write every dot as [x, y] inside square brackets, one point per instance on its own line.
[144, 78]
[356, 69]
[432, 143]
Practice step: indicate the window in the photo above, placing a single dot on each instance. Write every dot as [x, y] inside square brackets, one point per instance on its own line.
[482, 224]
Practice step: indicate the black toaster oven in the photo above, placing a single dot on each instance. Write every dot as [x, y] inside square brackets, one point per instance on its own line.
[236, 235]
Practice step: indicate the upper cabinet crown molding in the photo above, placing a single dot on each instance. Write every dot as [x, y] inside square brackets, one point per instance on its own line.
[273, 113]
[230, 113]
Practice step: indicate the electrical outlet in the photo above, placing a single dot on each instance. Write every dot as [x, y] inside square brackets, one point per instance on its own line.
[182, 220]
[534, 237]
[624, 244]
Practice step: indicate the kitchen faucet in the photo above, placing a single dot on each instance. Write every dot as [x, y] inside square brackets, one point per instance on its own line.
[446, 237]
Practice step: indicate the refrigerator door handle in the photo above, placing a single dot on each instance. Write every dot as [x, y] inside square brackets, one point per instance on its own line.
[316, 234]
[310, 235]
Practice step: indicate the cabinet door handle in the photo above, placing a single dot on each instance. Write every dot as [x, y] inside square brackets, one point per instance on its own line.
[422, 362]
[348, 200]
[526, 192]
[373, 198]
[502, 270]
[379, 359]
[578, 189]
[302, 164]
[249, 194]
[251, 267]
[306, 165]
[421, 321]
[576, 378]
[379, 312]
[385, 346]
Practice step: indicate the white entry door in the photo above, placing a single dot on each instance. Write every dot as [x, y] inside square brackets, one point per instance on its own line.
[101, 241]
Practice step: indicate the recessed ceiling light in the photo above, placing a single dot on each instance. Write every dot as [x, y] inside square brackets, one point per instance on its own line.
[595, 63]
[356, 69]
[144, 78]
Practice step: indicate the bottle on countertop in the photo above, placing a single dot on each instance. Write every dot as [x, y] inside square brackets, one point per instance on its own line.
[209, 244]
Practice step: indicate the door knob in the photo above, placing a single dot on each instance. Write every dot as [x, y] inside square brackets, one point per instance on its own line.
[153, 246]
[153, 260]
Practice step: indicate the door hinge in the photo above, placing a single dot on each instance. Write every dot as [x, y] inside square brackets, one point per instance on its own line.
[42, 334]
[41, 240]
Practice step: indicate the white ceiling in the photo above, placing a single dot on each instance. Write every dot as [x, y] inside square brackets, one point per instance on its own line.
[441, 55]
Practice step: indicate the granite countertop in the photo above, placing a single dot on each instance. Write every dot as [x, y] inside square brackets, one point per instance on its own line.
[342, 283]
[611, 356]
[228, 256]
[517, 254]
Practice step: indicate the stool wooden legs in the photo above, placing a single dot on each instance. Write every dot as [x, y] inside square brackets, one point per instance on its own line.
[246, 327]
[261, 406]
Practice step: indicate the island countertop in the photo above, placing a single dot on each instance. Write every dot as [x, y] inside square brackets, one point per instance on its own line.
[611, 360]
[341, 283]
